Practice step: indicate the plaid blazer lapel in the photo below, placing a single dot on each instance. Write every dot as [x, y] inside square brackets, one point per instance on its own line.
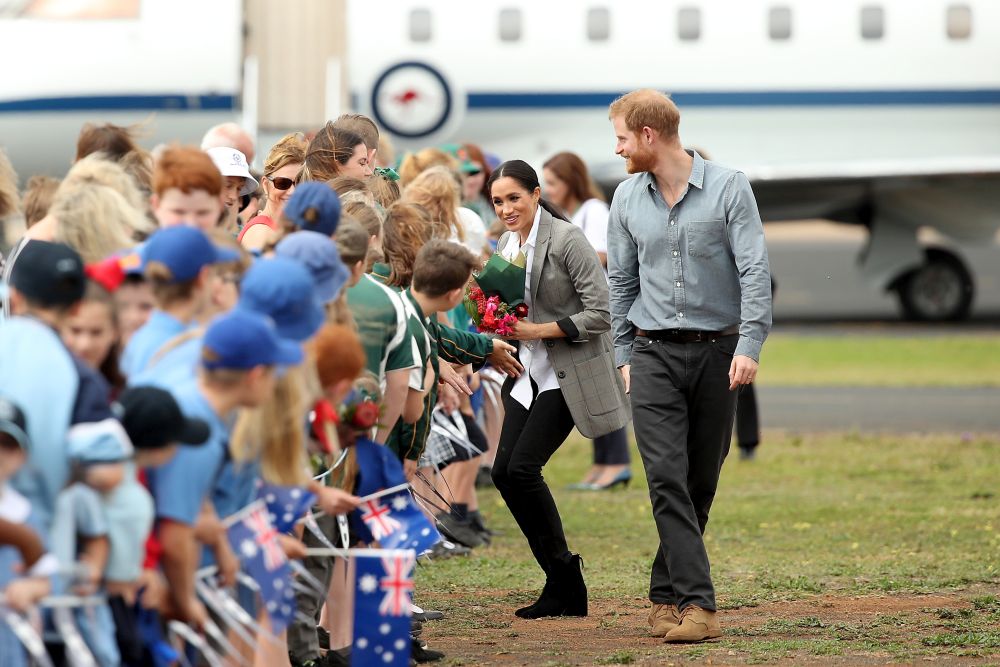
[541, 251]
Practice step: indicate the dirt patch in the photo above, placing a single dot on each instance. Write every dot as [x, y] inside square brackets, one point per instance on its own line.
[820, 630]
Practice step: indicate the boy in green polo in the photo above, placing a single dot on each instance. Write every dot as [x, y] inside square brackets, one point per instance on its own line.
[440, 273]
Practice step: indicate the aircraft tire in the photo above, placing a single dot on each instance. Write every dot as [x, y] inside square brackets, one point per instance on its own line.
[941, 290]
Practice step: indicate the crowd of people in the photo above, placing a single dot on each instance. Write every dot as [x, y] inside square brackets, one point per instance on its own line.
[184, 342]
[179, 329]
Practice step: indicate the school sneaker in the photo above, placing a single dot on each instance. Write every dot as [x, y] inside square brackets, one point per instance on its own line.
[663, 619]
[421, 653]
[444, 549]
[697, 625]
[459, 531]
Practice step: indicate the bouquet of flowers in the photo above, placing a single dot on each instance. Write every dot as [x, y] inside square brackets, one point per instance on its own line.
[496, 301]
[359, 411]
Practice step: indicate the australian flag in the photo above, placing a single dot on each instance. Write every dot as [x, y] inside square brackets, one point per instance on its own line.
[255, 542]
[393, 519]
[383, 588]
[285, 504]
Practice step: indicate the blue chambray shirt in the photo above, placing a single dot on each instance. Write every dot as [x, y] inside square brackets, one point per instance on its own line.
[700, 265]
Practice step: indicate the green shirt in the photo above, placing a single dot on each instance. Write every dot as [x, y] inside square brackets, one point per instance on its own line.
[381, 317]
[452, 345]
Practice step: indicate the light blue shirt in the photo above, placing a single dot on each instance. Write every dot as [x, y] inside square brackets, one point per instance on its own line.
[180, 486]
[37, 373]
[130, 514]
[176, 368]
[79, 513]
[145, 342]
[700, 265]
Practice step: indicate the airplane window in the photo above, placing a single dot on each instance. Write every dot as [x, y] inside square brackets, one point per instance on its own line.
[510, 25]
[598, 24]
[959, 22]
[872, 22]
[420, 25]
[688, 24]
[779, 22]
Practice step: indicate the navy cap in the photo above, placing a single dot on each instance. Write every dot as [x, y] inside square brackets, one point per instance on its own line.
[319, 254]
[185, 251]
[314, 207]
[153, 420]
[13, 422]
[242, 340]
[282, 289]
[50, 274]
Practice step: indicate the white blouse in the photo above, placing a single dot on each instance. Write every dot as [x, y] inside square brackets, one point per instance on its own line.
[533, 354]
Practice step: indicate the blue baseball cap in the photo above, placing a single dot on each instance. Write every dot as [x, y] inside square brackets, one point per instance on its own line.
[242, 340]
[184, 251]
[319, 254]
[282, 289]
[314, 207]
[105, 441]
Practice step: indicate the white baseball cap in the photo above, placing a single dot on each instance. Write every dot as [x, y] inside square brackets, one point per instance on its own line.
[232, 162]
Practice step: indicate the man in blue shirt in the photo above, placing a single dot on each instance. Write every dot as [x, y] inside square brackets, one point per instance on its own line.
[176, 261]
[690, 309]
[239, 356]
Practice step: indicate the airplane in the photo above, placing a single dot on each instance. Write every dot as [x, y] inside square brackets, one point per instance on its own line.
[172, 67]
[883, 113]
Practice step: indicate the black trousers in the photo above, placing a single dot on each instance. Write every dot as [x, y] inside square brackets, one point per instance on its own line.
[683, 414]
[527, 442]
[612, 449]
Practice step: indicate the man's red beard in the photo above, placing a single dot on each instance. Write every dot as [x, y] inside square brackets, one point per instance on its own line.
[642, 159]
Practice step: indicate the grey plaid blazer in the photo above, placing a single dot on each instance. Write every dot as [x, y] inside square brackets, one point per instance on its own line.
[567, 281]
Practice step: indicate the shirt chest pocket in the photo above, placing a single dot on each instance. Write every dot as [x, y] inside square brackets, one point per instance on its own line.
[706, 238]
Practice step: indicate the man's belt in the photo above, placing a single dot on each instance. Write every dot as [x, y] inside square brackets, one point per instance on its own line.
[687, 335]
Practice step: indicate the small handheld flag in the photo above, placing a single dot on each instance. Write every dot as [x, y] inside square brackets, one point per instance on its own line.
[382, 599]
[256, 544]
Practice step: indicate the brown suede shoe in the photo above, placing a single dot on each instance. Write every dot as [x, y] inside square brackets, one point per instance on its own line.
[663, 619]
[696, 625]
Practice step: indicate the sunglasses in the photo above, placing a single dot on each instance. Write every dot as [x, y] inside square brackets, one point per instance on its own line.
[281, 182]
[474, 173]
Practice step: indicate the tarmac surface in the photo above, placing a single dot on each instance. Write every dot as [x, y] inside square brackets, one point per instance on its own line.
[887, 409]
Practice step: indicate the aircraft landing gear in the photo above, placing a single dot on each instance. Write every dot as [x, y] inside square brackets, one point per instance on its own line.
[940, 290]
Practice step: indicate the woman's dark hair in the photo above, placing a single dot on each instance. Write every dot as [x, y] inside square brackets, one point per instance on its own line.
[328, 151]
[571, 170]
[526, 177]
[113, 140]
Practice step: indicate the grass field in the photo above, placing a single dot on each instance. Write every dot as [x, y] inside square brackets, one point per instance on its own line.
[865, 360]
[828, 549]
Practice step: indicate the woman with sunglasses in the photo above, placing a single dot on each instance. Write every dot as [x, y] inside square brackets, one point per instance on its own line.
[281, 168]
[475, 196]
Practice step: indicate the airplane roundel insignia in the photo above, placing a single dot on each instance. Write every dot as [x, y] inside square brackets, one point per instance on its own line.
[412, 100]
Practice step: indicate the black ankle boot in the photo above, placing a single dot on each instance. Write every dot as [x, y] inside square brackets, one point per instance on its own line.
[545, 599]
[565, 592]
[574, 588]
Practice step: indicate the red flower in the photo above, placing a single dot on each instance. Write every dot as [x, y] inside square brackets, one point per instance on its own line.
[521, 310]
[365, 415]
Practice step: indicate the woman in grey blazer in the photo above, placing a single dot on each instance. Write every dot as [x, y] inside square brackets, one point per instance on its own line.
[565, 346]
